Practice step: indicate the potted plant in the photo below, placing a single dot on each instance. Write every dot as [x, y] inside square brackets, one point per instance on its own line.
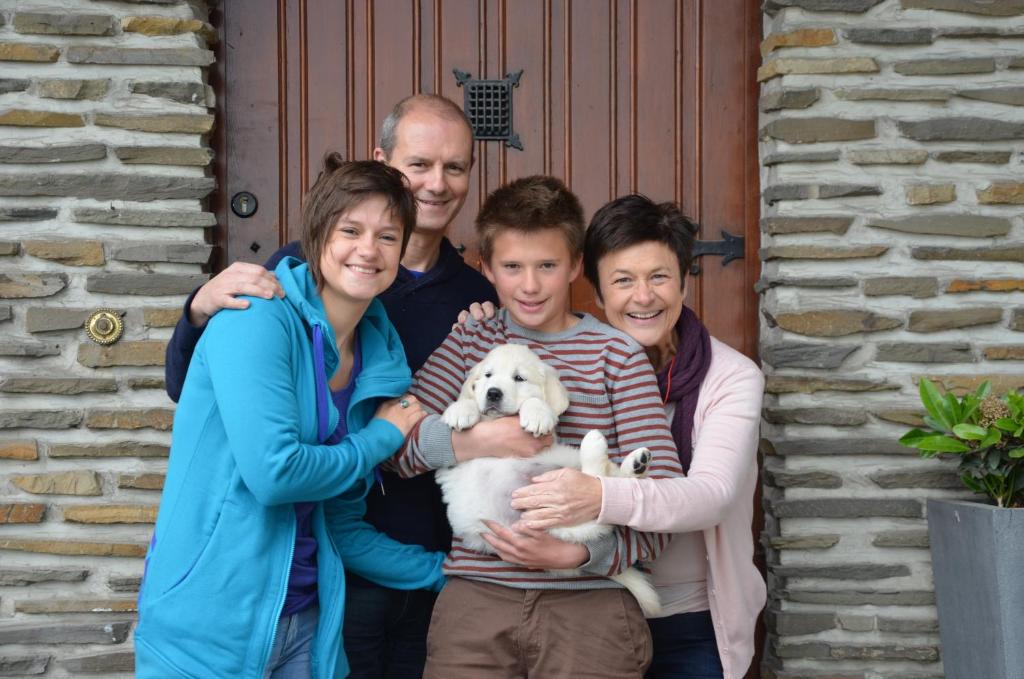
[977, 548]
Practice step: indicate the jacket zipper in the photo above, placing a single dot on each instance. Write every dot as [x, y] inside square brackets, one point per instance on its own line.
[280, 603]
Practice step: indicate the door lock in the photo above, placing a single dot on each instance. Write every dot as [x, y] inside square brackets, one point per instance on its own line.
[244, 204]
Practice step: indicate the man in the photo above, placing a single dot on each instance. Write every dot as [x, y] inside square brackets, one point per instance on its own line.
[430, 140]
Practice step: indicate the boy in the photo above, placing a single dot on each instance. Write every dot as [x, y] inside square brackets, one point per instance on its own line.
[502, 615]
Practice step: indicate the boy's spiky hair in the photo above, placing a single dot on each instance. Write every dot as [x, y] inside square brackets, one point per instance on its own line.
[531, 204]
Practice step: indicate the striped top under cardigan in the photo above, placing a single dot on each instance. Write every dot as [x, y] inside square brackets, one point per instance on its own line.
[611, 388]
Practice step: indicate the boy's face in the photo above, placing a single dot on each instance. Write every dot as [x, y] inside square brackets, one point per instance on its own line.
[532, 273]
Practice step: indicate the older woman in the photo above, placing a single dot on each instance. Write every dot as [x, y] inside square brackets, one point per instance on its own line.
[636, 255]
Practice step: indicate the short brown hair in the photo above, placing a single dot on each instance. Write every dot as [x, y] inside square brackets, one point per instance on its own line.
[530, 204]
[341, 187]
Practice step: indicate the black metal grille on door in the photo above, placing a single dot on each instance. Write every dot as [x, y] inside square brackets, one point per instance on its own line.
[488, 105]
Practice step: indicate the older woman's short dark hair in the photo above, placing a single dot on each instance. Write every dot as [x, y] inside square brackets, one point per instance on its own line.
[341, 187]
[634, 220]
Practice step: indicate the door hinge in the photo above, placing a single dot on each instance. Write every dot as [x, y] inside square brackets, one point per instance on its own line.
[729, 248]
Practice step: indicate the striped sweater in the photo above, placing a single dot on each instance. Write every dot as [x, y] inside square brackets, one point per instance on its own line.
[611, 388]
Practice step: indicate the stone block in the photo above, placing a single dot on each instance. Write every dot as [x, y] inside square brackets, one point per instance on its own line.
[937, 320]
[834, 571]
[1002, 193]
[835, 323]
[861, 597]
[821, 252]
[48, 318]
[99, 663]
[146, 383]
[807, 355]
[160, 419]
[70, 548]
[40, 23]
[161, 317]
[144, 284]
[130, 353]
[872, 652]
[802, 37]
[841, 446]
[104, 514]
[113, 449]
[19, 117]
[946, 66]
[70, 252]
[6, 312]
[930, 194]
[892, 156]
[20, 577]
[847, 6]
[9, 248]
[916, 478]
[158, 25]
[60, 483]
[800, 384]
[52, 153]
[967, 225]
[164, 155]
[139, 56]
[856, 623]
[19, 450]
[8, 85]
[26, 214]
[162, 218]
[961, 129]
[837, 66]
[908, 625]
[72, 89]
[836, 417]
[932, 352]
[979, 157]
[23, 665]
[847, 508]
[902, 539]
[107, 186]
[182, 92]
[1012, 253]
[997, 8]
[959, 384]
[782, 225]
[907, 416]
[57, 606]
[28, 348]
[21, 512]
[804, 479]
[40, 419]
[837, 282]
[787, 624]
[20, 51]
[789, 99]
[124, 583]
[56, 385]
[804, 542]
[140, 481]
[780, 157]
[1012, 352]
[894, 94]
[813, 130]
[890, 36]
[918, 287]
[186, 253]
[985, 285]
[1017, 320]
[1011, 96]
[180, 123]
[67, 633]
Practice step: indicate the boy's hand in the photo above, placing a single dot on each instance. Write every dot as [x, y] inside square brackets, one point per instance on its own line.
[479, 311]
[222, 291]
[534, 548]
[503, 437]
[403, 412]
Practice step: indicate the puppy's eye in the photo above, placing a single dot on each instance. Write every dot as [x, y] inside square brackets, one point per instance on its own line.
[487, 375]
[518, 378]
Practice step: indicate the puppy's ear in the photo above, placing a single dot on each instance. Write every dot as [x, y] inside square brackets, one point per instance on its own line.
[554, 393]
[469, 386]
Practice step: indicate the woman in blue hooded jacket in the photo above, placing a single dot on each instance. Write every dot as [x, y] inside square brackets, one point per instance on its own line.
[288, 407]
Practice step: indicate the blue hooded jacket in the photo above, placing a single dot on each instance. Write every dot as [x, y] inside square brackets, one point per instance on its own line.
[245, 448]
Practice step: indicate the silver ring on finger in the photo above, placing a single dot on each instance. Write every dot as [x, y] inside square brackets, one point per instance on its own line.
[404, 403]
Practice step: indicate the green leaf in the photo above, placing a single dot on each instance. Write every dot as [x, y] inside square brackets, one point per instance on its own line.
[1006, 424]
[983, 390]
[914, 436]
[1016, 454]
[970, 432]
[954, 409]
[942, 444]
[991, 438]
[932, 401]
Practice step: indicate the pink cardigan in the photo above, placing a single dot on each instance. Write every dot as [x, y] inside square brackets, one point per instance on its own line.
[716, 498]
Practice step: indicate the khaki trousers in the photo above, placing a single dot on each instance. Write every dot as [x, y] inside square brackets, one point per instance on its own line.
[482, 630]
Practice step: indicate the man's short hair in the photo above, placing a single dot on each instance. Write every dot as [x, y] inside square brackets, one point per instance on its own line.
[634, 220]
[343, 186]
[531, 204]
[434, 103]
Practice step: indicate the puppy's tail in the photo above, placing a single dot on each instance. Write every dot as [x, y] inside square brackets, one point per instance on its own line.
[641, 588]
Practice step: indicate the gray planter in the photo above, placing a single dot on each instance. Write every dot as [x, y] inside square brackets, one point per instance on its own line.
[978, 563]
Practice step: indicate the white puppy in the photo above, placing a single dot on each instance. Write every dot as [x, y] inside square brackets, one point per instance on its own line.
[512, 379]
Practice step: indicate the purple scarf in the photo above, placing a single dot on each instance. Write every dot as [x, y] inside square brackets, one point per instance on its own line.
[688, 367]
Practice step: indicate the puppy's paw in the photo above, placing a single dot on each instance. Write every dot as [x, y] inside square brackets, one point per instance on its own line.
[536, 417]
[594, 454]
[636, 463]
[461, 415]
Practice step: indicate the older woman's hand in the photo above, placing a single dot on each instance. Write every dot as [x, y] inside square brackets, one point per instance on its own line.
[534, 548]
[562, 497]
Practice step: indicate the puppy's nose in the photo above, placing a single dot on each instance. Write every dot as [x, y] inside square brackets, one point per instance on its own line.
[493, 394]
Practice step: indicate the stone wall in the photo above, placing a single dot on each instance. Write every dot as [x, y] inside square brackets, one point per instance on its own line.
[891, 144]
[104, 116]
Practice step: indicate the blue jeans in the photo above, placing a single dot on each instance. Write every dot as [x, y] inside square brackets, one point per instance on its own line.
[386, 631]
[290, 657]
[684, 647]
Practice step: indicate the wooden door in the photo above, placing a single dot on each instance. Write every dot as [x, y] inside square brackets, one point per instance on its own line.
[616, 96]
